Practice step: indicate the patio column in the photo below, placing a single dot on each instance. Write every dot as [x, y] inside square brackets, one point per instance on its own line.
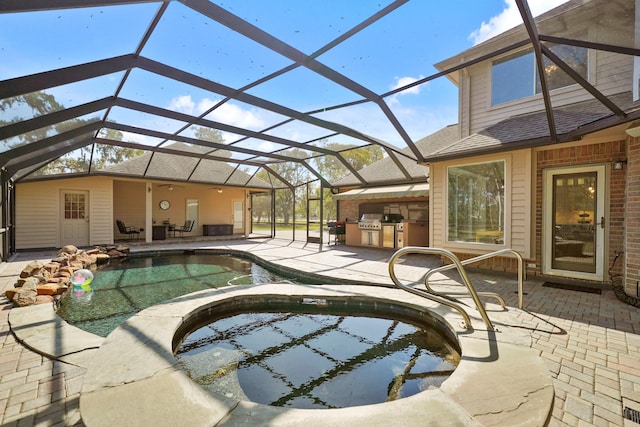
[148, 222]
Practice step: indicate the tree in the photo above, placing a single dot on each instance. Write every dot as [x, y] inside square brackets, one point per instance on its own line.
[332, 169]
[294, 174]
[41, 103]
[212, 135]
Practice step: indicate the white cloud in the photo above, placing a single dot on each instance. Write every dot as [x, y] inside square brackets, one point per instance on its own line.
[227, 113]
[509, 18]
[231, 114]
[404, 81]
[183, 104]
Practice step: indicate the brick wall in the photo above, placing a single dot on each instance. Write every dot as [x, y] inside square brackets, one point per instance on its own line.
[632, 250]
[600, 153]
[607, 152]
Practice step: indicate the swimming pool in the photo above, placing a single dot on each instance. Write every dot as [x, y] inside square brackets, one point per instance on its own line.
[124, 287]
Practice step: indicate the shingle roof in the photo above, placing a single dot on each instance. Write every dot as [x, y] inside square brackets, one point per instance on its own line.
[385, 171]
[532, 129]
[182, 168]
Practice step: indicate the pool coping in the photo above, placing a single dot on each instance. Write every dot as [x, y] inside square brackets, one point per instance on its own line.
[132, 378]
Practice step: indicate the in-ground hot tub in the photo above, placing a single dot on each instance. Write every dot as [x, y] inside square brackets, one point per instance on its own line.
[135, 379]
[308, 353]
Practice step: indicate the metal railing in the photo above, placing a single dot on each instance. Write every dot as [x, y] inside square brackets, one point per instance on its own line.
[439, 298]
[521, 274]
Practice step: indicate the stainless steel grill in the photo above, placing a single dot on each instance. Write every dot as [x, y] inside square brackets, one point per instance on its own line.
[370, 222]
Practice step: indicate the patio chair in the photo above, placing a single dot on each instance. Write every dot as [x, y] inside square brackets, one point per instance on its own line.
[188, 225]
[131, 231]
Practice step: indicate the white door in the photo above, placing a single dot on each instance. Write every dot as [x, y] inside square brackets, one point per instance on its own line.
[193, 209]
[75, 218]
[574, 222]
[238, 215]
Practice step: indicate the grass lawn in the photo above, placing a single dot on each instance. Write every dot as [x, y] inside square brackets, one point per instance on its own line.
[281, 226]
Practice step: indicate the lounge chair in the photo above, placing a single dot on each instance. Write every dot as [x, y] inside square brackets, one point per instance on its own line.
[187, 227]
[131, 231]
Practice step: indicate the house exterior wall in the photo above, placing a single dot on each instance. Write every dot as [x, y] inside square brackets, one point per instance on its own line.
[213, 207]
[524, 232]
[38, 208]
[610, 73]
[631, 280]
[589, 153]
[38, 211]
[350, 209]
[518, 206]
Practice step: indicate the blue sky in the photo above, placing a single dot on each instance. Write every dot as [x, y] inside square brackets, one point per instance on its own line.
[397, 50]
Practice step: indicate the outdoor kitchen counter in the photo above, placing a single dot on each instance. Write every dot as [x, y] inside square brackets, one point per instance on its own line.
[352, 234]
[416, 233]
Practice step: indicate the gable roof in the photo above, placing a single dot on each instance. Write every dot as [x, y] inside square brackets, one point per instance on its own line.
[182, 168]
[384, 171]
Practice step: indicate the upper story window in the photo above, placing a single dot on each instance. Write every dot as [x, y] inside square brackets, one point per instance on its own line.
[515, 76]
[476, 207]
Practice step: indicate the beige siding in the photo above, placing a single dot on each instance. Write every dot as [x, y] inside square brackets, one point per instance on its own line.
[612, 75]
[38, 208]
[518, 201]
[38, 211]
[129, 206]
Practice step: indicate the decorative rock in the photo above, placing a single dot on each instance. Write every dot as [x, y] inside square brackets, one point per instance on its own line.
[63, 274]
[52, 289]
[67, 269]
[52, 267]
[68, 249]
[76, 265]
[38, 282]
[102, 258]
[44, 299]
[62, 260]
[115, 254]
[30, 269]
[27, 294]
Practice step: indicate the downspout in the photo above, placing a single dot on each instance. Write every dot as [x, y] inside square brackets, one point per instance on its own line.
[636, 60]
[5, 226]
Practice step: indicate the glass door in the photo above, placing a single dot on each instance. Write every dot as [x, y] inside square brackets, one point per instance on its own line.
[576, 222]
[314, 212]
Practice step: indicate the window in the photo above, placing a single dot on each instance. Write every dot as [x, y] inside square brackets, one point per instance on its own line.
[476, 203]
[515, 76]
[74, 206]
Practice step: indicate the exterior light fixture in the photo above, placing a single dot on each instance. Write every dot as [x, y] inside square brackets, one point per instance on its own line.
[219, 190]
[619, 165]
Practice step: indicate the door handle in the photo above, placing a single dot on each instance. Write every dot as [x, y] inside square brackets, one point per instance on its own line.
[601, 223]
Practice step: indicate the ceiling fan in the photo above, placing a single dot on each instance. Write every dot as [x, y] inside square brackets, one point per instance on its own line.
[170, 187]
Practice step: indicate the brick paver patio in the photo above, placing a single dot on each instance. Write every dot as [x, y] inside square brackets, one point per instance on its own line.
[590, 342]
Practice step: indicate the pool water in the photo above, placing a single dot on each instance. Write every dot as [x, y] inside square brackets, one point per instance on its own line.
[315, 360]
[123, 288]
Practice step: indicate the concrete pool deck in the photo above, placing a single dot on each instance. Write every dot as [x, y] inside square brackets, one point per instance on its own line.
[588, 343]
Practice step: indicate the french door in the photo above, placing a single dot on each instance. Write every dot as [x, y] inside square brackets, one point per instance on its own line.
[574, 222]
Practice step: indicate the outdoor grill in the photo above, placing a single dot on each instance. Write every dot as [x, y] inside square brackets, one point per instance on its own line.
[370, 222]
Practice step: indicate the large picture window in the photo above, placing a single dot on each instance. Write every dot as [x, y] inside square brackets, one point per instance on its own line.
[515, 76]
[476, 203]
